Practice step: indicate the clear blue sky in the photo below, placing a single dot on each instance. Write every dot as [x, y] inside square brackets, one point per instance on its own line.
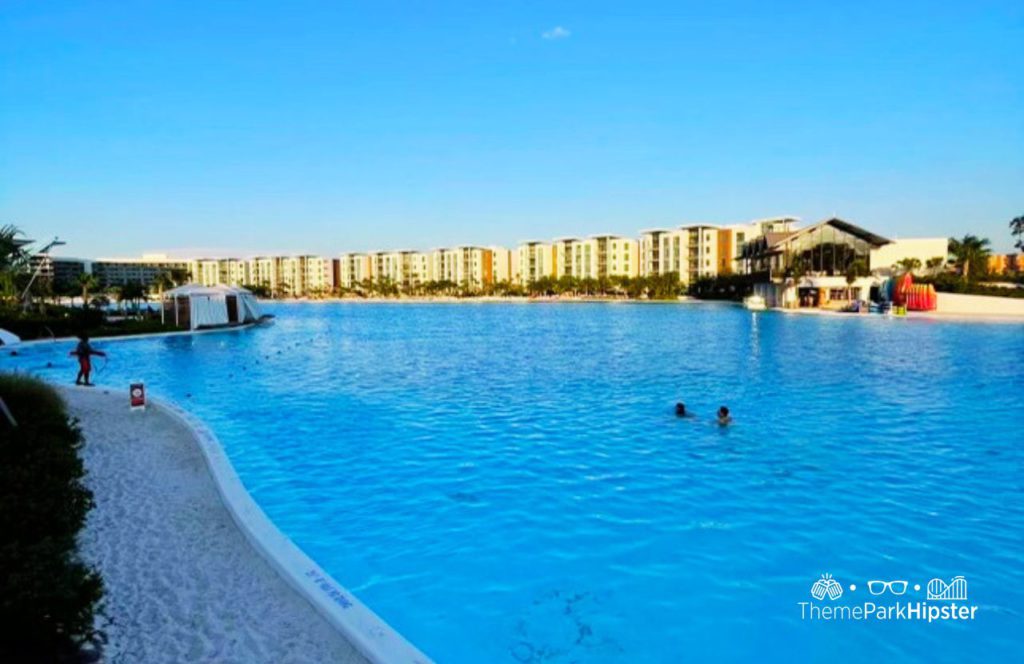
[237, 127]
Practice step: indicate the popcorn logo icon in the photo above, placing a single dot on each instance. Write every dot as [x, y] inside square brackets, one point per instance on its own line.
[826, 586]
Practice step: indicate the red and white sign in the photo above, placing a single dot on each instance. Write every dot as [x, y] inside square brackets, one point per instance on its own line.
[137, 392]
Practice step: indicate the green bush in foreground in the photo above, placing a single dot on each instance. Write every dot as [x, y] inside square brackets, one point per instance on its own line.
[47, 594]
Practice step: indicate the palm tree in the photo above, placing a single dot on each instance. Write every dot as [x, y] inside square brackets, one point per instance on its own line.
[798, 267]
[13, 258]
[1017, 230]
[933, 264]
[971, 253]
[179, 276]
[859, 268]
[131, 292]
[909, 264]
[86, 282]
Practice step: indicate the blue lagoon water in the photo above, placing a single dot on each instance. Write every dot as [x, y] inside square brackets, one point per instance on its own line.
[508, 483]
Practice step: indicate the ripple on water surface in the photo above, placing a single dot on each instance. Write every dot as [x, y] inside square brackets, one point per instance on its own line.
[509, 484]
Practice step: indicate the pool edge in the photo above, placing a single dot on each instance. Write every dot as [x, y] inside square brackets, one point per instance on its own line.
[371, 636]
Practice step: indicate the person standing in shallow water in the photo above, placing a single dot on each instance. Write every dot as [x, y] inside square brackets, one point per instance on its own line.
[85, 351]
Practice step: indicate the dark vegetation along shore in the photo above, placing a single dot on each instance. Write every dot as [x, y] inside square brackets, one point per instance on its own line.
[50, 321]
[47, 594]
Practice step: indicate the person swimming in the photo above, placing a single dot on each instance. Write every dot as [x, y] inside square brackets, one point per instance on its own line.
[84, 352]
[723, 416]
[681, 410]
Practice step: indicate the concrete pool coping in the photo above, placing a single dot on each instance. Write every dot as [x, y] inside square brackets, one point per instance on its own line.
[377, 641]
[370, 635]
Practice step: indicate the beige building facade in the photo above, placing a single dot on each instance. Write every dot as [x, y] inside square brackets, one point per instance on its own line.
[536, 260]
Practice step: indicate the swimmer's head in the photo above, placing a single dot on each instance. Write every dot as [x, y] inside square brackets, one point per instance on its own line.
[680, 408]
[723, 412]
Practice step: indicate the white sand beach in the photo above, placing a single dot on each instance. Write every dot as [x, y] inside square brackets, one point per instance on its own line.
[182, 582]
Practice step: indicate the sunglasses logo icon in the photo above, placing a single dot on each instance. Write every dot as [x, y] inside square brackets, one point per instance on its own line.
[877, 587]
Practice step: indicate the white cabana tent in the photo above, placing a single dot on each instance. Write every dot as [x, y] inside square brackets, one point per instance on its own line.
[8, 338]
[195, 306]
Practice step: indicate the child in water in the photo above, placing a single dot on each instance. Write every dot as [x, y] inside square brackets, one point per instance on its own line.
[84, 352]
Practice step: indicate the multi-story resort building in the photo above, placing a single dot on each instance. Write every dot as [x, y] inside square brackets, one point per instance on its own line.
[68, 270]
[536, 261]
[616, 256]
[354, 270]
[470, 267]
[505, 265]
[290, 276]
[318, 275]
[697, 251]
[418, 268]
[770, 250]
[234, 272]
[1000, 264]
[597, 257]
[736, 236]
[390, 267]
[263, 272]
[120, 271]
[55, 270]
[206, 271]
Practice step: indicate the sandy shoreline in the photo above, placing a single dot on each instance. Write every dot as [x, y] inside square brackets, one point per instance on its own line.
[182, 582]
[912, 315]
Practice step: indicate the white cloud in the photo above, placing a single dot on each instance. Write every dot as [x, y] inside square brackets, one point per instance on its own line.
[557, 32]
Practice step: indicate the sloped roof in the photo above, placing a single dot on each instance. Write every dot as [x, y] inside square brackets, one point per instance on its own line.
[846, 227]
[199, 289]
[775, 238]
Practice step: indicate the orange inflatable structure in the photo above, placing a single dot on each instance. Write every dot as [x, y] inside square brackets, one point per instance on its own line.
[915, 297]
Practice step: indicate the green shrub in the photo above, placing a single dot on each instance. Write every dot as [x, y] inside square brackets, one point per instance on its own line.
[723, 287]
[954, 283]
[58, 321]
[47, 595]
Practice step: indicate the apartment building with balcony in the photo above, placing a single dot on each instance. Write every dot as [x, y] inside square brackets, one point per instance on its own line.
[318, 275]
[597, 257]
[205, 271]
[263, 271]
[504, 264]
[467, 266]
[696, 251]
[353, 270]
[536, 260]
[615, 256]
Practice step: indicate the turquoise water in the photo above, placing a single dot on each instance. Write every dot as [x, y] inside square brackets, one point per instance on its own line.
[508, 483]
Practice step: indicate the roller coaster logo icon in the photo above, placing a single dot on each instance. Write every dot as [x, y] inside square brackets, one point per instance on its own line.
[956, 589]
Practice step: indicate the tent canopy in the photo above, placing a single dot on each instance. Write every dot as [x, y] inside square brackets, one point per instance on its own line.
[199, 289]
[213, 306]
[8, 338]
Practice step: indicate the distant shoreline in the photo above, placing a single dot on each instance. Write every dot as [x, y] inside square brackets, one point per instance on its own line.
[488, 299]
[976, 317]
